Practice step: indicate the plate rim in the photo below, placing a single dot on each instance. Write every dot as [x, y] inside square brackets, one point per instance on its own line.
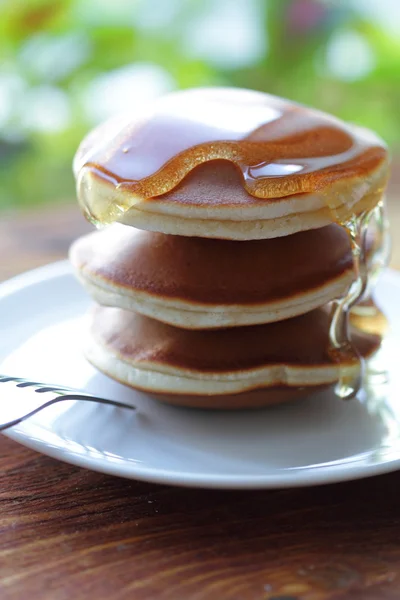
[334, 472]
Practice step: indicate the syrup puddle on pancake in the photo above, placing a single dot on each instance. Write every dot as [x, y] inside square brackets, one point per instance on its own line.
[280, 148]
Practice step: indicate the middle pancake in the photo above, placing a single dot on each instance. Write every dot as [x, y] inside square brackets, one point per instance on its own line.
[198, 283]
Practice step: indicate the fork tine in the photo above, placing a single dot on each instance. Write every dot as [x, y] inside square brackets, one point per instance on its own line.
[25, 387]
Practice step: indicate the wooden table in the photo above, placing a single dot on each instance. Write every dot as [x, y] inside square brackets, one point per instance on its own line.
[67, 533]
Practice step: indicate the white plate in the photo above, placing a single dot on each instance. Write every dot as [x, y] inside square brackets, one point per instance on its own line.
[318, 440]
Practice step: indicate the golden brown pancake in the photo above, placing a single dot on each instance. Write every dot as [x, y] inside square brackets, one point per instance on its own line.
[152, 356]
[231, 164]
[200, 283]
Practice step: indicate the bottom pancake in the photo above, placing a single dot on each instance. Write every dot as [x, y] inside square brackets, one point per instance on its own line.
[243, 400]
[230, 368]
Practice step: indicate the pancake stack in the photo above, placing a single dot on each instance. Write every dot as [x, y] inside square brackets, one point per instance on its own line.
[228, 215]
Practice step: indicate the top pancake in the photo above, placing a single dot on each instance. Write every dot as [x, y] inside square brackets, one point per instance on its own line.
[228, 163]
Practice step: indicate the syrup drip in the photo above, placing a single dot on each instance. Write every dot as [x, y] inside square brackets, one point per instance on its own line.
[380, 255]
[365, 315]
[342, 349]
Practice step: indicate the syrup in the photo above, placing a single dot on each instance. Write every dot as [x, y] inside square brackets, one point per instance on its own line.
[342, 349]
[380, 255]
[281, 149]
[357, 305]
[366, 315]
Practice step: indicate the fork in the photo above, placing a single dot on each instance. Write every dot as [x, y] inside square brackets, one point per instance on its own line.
[24, 398]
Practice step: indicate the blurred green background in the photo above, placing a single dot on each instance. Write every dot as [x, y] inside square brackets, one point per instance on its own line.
[68, 64]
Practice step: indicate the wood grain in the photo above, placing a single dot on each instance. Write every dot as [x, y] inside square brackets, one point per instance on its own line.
[67, 533]
[71, 533]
